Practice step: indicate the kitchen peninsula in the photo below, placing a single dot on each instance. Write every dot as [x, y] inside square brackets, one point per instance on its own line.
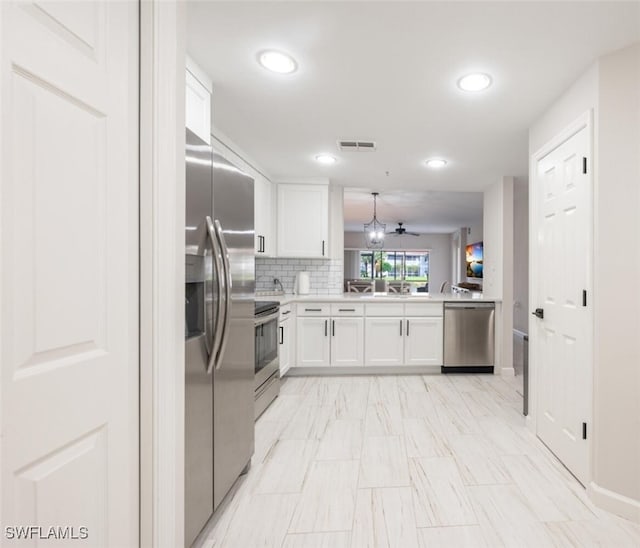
[363, 333]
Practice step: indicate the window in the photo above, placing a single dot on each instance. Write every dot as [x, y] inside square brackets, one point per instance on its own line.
[411, 266]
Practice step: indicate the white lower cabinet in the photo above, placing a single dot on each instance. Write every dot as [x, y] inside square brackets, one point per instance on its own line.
[413, 338]
[286, 346]
[313, 342]
[347, 341]
[423, 341]
[374, 334]
[325, 341]
[384, 341]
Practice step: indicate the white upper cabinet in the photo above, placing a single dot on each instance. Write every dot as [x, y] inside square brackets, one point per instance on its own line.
[198, 101]
[264, 217]
[303, 220]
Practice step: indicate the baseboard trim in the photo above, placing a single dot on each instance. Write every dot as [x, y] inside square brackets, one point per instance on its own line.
[370, 370]
[464, 369]
[615, 503]
[508, 372]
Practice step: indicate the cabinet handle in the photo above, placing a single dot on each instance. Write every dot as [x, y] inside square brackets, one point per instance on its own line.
[326, 323]
[281, 335]
[264, 243]
[346, 309]
[286, 312]
[313, 309]
[401, 328]
[333, 328]
[323, 248]
[407, 328]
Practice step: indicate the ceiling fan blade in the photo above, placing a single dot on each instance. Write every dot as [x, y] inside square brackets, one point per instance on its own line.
[412, 233]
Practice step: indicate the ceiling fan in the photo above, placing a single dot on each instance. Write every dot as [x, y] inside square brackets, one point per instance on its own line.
[401, 230]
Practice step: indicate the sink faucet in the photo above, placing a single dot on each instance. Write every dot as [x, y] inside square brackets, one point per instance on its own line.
[276, 281]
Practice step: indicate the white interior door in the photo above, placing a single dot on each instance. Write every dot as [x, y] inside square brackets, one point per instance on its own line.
[562, 338]
[69, 256]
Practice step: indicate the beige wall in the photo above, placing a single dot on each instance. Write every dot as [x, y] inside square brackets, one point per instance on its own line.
[498, 263]
[611, 89]
[617, 276]
[521, 254]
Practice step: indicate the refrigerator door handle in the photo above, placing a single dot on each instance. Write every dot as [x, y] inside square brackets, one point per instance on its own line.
[216, 337]
[227, 287]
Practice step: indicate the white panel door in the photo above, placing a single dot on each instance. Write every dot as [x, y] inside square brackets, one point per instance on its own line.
[347, 341]
[423, 341]
[562, 337]
[313, 343]
[384, 341]
[69, 256]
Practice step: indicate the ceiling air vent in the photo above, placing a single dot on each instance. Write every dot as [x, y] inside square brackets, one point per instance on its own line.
[356, 146]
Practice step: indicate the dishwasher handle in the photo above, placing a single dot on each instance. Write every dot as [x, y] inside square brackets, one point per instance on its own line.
[469, 305]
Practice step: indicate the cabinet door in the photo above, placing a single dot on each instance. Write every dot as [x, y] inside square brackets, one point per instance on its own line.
[384, 341]
[303, 220]
[423, 341]
[263, 217]
[347, 341]
[198, 108]
[313, 342]
[285, 347]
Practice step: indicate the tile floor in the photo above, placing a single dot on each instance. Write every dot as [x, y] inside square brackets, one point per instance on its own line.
[406, 461]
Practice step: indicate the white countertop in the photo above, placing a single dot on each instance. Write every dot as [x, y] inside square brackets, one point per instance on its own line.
[367, 297]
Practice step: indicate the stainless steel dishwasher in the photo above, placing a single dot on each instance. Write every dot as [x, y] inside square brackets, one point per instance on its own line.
[469, 337]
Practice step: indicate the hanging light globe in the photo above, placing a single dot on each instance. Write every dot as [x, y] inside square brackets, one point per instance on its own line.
[374, 230]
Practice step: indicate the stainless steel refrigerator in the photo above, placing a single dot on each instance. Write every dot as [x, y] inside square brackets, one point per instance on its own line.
[219, 330]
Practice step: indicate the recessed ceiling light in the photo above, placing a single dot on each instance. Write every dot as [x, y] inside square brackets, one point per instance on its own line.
[474, 82]
[325, 159]
[436, 163]
[276, 61]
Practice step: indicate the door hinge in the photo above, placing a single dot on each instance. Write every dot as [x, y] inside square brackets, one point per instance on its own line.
[584, 430]
[584, 297]
[584, 165]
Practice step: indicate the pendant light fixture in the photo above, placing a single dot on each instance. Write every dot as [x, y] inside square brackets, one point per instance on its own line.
[374, 230]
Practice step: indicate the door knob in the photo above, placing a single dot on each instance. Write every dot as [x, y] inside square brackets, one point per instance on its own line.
[539, 313]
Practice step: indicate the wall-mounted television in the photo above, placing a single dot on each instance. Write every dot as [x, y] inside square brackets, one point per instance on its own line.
[474, 260]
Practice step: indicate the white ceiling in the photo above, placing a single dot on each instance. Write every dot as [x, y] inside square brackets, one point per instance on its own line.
[387, 71]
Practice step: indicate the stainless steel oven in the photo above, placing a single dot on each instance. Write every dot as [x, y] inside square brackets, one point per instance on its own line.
[267, 379]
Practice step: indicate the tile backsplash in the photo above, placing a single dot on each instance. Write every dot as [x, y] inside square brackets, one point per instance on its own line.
[326, 275]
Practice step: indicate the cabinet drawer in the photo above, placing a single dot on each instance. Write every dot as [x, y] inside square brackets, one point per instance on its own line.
[347, 309]
[285, 312]
[314, 309]
[384, 309]
[423, 309]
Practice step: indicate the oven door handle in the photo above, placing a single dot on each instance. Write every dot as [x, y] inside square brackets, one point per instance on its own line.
[261, 320]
